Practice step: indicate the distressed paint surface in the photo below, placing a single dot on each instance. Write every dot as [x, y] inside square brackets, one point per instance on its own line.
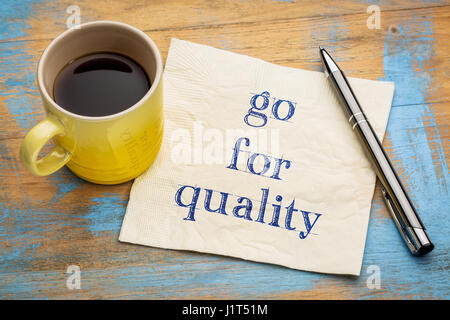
[47, 224]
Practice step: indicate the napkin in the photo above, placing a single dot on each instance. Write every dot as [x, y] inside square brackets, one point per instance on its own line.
[258, 162]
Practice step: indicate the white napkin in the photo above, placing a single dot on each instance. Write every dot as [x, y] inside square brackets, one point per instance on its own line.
[258, 162]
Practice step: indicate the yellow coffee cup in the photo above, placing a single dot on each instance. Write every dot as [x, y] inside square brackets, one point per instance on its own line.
[107, 149]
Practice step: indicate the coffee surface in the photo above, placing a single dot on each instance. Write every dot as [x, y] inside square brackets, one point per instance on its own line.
[100, 84]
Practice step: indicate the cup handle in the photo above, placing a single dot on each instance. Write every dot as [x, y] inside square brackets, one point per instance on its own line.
[33, 143]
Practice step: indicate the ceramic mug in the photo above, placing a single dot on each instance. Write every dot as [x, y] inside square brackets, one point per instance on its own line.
[107, 149]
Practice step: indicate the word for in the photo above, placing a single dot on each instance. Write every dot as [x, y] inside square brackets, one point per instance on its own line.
[256, 118]
[244, 208]
[74, 280]
[252, 156]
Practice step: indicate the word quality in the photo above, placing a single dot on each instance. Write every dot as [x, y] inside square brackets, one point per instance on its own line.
[259, 119]
[244, 207]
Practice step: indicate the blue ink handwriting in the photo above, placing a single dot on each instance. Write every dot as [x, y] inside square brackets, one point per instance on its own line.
[243, 208]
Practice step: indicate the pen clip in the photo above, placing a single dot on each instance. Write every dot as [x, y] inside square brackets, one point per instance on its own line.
[400, 226]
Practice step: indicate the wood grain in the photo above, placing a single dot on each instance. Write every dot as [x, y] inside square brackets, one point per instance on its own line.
[49, 223]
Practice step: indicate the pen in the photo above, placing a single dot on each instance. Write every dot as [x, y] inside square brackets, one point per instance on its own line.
[400, 206]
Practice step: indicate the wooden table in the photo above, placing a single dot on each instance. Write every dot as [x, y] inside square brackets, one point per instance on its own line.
[50, 223]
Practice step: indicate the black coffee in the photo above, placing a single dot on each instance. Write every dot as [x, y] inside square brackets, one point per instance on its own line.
[100, 84]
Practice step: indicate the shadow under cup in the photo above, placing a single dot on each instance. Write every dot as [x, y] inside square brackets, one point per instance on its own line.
[114, 148]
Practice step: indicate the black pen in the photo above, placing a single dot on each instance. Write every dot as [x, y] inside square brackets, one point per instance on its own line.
[398, 202]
